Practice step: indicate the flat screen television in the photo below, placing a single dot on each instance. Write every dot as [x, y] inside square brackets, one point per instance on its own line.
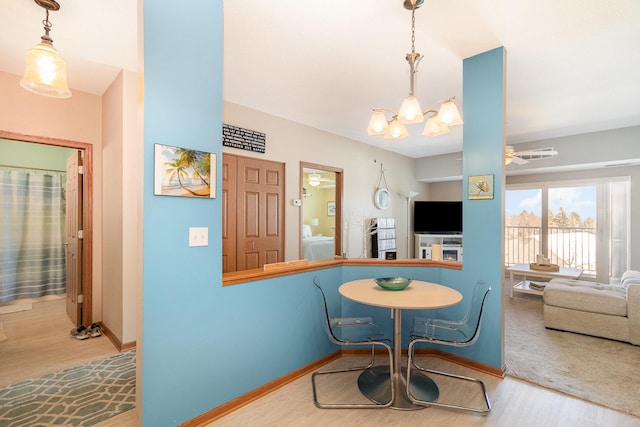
[437, 217]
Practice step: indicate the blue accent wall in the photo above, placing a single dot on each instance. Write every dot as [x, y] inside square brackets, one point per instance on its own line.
[202, 344]
[184, 333]
[483, 154]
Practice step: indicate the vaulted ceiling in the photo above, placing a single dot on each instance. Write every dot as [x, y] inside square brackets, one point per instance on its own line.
[572, 66]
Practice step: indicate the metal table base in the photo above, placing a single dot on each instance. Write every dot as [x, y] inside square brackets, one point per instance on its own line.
[374, 383]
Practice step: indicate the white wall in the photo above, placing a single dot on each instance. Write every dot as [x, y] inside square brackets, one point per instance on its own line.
[79, 119]
[291, 143]
[583, 156]
[121, 195]
[576, 152]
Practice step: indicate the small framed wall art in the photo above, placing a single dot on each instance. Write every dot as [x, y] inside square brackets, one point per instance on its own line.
[331, 208]
[184, 172]
[480, 187]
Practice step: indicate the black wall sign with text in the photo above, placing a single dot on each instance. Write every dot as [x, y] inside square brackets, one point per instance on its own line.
[244, 139]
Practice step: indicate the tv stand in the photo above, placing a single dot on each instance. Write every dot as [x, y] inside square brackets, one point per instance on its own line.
[439, 247]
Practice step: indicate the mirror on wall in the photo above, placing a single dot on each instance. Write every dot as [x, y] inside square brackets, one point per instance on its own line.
[321, 219]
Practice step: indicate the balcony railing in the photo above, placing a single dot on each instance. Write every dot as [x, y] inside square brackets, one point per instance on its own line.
[573, 247]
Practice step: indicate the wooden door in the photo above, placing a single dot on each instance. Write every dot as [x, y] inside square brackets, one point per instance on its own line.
[259, 213]
[73, 241]
[229, 244]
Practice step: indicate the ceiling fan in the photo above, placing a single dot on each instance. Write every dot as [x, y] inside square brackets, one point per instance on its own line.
[522, 157]
[315, 179]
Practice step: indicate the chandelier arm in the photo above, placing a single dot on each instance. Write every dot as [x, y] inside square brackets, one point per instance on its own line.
[393, 113]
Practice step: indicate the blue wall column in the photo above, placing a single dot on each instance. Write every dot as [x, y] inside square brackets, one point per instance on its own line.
[483, 154]
[183, 108]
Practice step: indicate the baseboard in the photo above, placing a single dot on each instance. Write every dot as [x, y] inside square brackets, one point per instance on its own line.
[240, 401]
[14, 308]
[114, 339]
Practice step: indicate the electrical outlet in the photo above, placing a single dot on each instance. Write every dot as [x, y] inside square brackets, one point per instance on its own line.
[198, 236]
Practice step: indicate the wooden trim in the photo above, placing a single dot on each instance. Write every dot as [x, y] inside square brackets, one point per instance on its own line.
[87, 240]
[240, 401]
[114, 339]
[87, 210]
[237, 277]
[43, 140]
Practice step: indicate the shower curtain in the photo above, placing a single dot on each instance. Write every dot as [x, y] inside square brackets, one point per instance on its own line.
[32, 251]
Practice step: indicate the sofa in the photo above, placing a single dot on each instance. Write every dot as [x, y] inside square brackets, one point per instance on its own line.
[603, 310]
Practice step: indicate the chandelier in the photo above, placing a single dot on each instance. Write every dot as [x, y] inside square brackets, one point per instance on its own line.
[438, 121]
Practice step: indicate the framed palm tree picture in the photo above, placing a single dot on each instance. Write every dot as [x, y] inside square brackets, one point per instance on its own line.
[183, 172]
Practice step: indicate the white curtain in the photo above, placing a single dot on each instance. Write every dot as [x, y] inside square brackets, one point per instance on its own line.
[32, 251]
[619, 228]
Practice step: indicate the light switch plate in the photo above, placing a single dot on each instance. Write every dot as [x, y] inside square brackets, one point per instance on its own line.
[198, 236]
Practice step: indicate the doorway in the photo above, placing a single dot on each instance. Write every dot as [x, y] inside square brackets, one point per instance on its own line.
[321, 218]
[79, 306]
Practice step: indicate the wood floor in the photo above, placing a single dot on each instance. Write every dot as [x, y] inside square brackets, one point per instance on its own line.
[515, 403]
[38, 342]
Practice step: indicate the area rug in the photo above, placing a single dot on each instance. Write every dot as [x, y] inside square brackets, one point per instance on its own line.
[601, 371]
[81, 396]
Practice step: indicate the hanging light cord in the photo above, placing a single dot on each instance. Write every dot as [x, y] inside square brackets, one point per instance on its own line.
[47, 28]
[413, 58]
[413, 29]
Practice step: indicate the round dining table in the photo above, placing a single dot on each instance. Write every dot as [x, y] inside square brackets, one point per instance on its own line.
[374, 382]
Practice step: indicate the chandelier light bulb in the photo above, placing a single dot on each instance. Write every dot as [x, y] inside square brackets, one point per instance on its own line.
[396, 130]
[410, 111]
[449, 114]
[434, 127]
[378, 124]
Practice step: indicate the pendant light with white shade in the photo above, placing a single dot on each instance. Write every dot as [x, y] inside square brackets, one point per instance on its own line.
[45, 71]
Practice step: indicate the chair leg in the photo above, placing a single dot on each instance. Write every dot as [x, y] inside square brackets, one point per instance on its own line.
[352, 369]
[411, 362]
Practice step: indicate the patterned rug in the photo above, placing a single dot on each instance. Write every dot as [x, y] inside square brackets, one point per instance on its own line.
[81, 396]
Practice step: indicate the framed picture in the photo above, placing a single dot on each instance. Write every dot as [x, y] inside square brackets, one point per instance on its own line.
[480, 187]
[331, 208]
[183, 172]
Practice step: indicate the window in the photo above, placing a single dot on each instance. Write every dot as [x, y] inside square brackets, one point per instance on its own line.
[576, 224]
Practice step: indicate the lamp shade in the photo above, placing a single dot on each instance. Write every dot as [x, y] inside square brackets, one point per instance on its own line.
[449, 114]
[408, 194]
[378, 124]
[434, 127]
[410, 111]
[396, 130]
[45, 72]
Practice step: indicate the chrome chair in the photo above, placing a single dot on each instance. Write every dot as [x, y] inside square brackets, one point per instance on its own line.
[352, 331]
[458, 333]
